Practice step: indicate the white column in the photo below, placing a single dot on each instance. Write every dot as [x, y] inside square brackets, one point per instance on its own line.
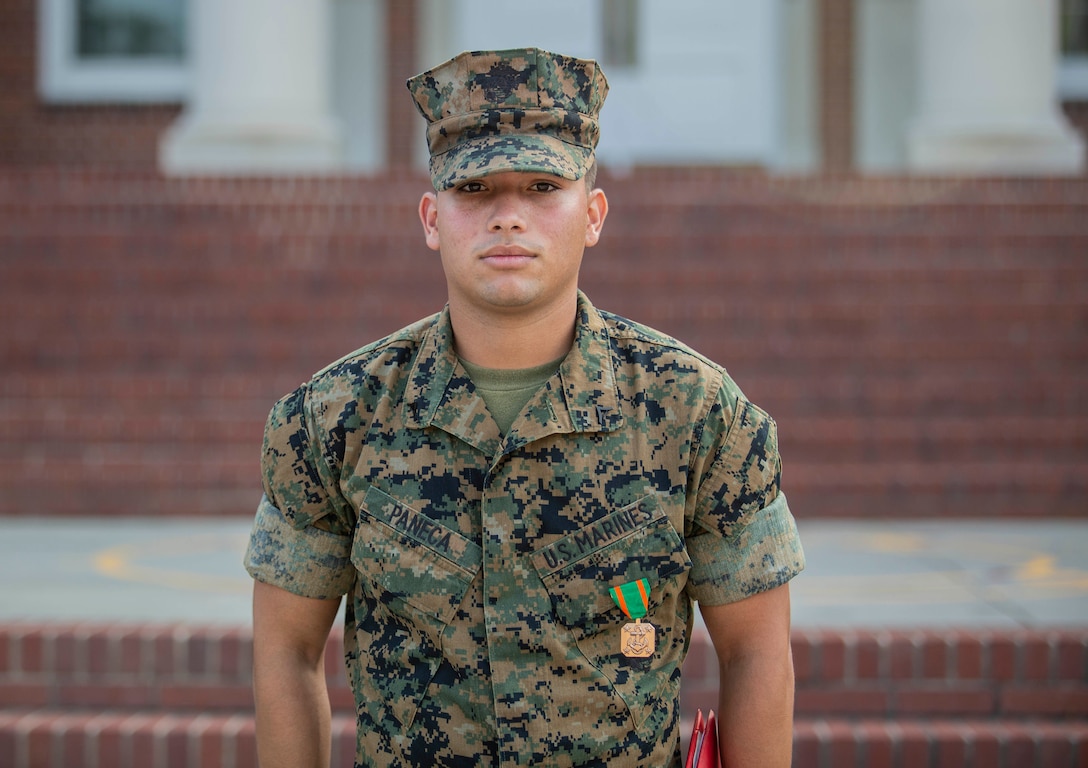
[987, 90]
[260, 100]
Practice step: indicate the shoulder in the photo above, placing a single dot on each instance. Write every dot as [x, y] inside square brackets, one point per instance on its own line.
[643, 353]
[356, 381]
[399, 345]
[376, 365]
[638, 335]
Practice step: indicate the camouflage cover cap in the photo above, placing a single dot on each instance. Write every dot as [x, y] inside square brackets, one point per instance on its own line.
[517, 110]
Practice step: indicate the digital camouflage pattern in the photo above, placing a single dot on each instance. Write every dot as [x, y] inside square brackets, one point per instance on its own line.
[480, 629]
[517, 110]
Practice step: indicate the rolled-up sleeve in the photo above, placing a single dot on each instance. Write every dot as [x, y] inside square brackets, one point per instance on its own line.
[300, 540]
[307, 561]
[744, 539]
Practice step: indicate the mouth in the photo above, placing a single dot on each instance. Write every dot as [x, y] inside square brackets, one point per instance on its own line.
[508, 255]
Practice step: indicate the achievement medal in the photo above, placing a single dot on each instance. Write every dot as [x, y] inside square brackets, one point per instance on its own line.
[637, 640]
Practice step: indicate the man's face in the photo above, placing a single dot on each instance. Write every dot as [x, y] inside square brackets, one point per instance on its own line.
[512, 242]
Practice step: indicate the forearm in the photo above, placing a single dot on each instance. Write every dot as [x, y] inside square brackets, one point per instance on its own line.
[293, 713]
[755, 721]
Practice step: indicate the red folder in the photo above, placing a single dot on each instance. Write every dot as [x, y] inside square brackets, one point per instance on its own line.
[703, 749]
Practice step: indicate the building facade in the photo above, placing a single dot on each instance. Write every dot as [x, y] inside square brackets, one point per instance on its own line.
[792, 86]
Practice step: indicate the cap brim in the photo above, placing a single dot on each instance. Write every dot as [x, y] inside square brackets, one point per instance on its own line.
[510, 152]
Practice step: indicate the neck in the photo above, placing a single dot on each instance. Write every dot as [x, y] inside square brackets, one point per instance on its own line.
[515, 340]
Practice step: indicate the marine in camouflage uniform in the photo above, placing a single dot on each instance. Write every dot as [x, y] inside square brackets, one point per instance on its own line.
[477, 564]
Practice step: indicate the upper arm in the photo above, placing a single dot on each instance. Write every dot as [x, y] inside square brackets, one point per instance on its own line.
[754, 626]
[288, 622]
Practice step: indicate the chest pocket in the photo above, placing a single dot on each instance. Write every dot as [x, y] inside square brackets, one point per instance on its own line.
[414, 574]
[637, 542]
[416, 566]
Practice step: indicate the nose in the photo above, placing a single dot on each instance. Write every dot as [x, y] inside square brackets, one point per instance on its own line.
[507, 214]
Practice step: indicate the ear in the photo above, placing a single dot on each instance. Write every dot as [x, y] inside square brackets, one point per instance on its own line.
[428, 215]
[596, 212]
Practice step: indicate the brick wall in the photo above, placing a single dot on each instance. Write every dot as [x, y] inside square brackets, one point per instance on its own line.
[157, 696]
[33, 133]
[836, 84]
[921, 342]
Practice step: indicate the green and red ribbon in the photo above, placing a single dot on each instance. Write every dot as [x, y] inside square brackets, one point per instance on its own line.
[633, 598]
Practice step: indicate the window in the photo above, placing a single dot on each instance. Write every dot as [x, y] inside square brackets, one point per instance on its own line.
[619, 26]
[1073, 72]
[113, 50]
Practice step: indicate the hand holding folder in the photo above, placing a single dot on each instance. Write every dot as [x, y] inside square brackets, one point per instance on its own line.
[703, 750]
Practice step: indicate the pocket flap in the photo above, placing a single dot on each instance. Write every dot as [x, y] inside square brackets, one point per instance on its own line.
[633, 543]
[411, 558]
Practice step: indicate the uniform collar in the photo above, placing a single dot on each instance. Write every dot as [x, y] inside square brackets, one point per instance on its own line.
[580, 397]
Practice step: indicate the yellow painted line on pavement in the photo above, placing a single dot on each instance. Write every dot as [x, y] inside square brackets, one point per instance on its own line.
[897, 542]
[130, 562]
[933, 587]
[1037, 568]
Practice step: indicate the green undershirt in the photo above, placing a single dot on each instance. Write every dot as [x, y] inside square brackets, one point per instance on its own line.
[506, 391]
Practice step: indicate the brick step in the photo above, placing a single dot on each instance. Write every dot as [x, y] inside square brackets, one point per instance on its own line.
[878, 332]
[704, 224]
[192, 250]
[101, 695]
[1028, 296]
[43, 738]
[936, 439]
[975, 309]
[967, 393]
[135, 466]
[942, 743]
[106, 739]
[833, 395]
[800, 355]
[187, 498]
[228, 248]
[984, 673]
[956, 303]
[64, 431]
[1031, 297]
[896, 502]
[131, 480]
[358, 204]
[259, 287]
[922, 490]
[163, 425]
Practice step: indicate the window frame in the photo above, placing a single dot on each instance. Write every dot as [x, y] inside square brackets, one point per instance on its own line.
[620, 47]
[1073, 67]
[64, 78]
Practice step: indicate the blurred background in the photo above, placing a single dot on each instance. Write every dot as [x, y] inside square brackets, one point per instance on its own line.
[873, 212]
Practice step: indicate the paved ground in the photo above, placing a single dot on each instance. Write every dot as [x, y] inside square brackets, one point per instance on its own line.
[860, 574]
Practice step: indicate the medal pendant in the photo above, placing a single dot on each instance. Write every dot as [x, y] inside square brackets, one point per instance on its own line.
[637, 641]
